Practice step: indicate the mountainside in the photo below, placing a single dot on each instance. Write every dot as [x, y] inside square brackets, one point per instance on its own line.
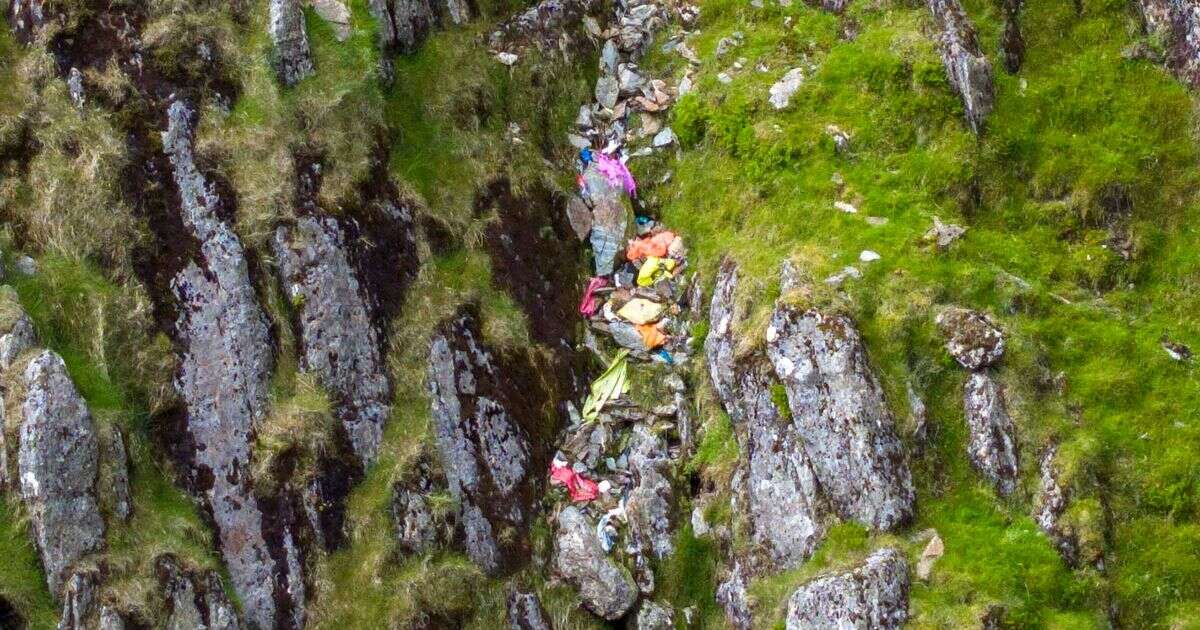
[599, 313]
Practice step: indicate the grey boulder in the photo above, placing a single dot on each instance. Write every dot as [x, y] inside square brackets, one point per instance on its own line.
[607, 589]
[967, 69]
[649, 502]
[195, 600]
[972, 338]
[1052, 504]
[525, 612]
[873, 595]
[1177, 23]
[292, 57]
[992, 445]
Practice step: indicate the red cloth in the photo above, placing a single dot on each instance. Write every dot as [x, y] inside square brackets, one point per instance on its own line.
[579, 487]
[656, 245]
[589, 304]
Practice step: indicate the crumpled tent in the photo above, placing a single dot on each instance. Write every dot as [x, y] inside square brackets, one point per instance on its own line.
[612, 384]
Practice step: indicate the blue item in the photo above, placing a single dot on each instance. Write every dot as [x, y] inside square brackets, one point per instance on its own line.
[585, 156]
[666, 356]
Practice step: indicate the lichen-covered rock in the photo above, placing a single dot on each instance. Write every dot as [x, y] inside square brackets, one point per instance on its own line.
[27, 17]
[734, 599]
[549, 25]
[16, 329]
[1052, 504]
[967, 69]
[783, 506]
[972, 338]
[336, 14]
[57, 464]
[418, 529]
[485, 451]
[992, 446]
[525, 612]
[403, 24]
[114, 474]
[841, 416]
[606, 588]
[1177, 24]
[339, 343]
[292, 57]
[223, 379]
[194, 599]
[873, 595]
[654, 616]
[649, 502]
[79, 601]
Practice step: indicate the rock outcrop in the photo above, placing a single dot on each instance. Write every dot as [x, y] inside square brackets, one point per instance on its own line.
[222, 380]
[841, 416]
[781, 499]
[57, 463]
[194, 599]
[405, 24]
[649, 503]
[873, 595]
[292, 57]
[79, 611]
[992, 446]
[27, 17]
[338, 341]
[1177, 24]
[654, 616]
[605, 587]
[967, 69]
[485, 450]
[1012, 43]
[114, 474]
[734, 599]
[549, 25]
[418, 529]
[525, 612]
[1052, 505]
[972, 338]
[16, 330]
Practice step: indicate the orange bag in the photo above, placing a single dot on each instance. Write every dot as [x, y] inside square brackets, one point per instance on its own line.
[651, 336]
[656, 245]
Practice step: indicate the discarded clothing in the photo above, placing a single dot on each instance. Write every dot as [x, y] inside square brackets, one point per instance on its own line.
[655, 269]
[616, 172]
[590, 304]
[610, 219]
[651, 336]
[579, 487]
[612, 384]
[607, 533]
[641, 311]
[657, 245]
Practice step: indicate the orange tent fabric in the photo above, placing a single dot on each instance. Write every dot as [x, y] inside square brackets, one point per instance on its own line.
[656, 245]
[651, 336]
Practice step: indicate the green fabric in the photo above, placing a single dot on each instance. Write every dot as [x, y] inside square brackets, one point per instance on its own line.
[610, 385]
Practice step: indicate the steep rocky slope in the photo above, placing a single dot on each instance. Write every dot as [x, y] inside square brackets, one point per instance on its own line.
[575, 314]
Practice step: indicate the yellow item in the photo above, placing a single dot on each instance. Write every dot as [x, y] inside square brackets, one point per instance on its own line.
[641, 311]
[653, 269]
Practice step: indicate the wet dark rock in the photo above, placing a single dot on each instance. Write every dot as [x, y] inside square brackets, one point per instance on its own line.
[478, 406]
[223, 380]
[338, 340]
[733, 597]
[972, 338]
[549, 25]
[9, 616]
[194, 599]
[782, 503]
[1052, 503]
[1012, 43]
[873, 595]
[405, 24]
[654, 616]
[292, 57]
[967, 69]
[57, 463]
[992, 446]
[1177, 24]
[606, 588]
[79, 610]
[649, 502]
[525, 612]
[27, 17]
[114, 474]
[841, 416]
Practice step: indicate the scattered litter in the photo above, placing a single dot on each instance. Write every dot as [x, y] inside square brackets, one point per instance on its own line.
[507, 59]
[841, 139]
[641, 311]
[606, 532]
[589, 304]
[656, 245]
[652, 337]
[868, 256]
[848, 208]
[616, 172]
[612, 384]
[1176, 351]
[655, 269]
[579, 487]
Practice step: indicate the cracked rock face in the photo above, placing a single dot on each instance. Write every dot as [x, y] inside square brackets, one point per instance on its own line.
[972, 338]
[649, 503]
[339, 342]
[194, 600]
[223, 379]
[525, 612]
[115, 474]
[1177, 23]
[841, 416]
[79, 601]
[548, 25]
[484, 449]
[967, 69]
[782, 501]
[992, 447]
[1051, 506]
[874, 595]
[654, 616]
[606, 588]
[418, 529]
[57, 463]
[404, 24]
[732, 596]
[292, 57]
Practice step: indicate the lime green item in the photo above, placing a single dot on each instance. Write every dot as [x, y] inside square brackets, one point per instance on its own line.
[613, 383]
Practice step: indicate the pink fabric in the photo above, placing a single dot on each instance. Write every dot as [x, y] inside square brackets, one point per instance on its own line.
[589, 304]
[616, 172]
[579, 487]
